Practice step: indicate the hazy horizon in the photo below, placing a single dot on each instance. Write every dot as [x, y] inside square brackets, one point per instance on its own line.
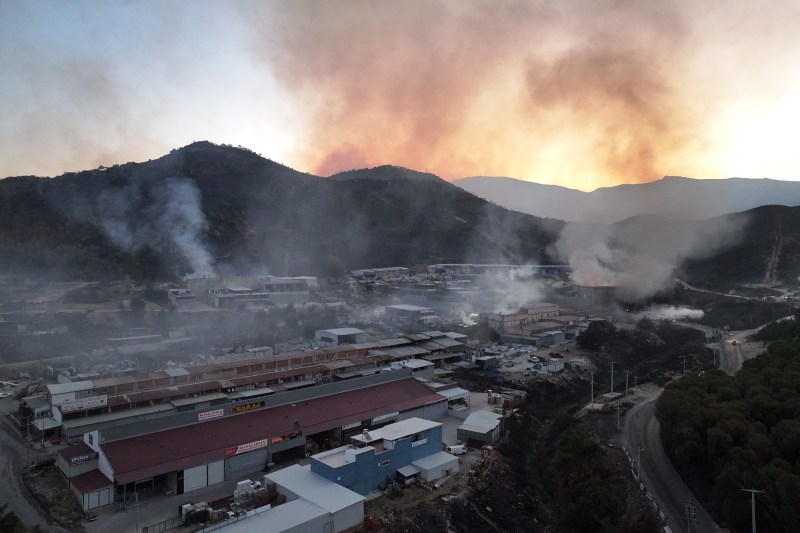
[581, 94]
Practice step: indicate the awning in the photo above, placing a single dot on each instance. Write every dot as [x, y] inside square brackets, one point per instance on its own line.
[383, 418]
[43, 424]
[454, 394]
[408, 471]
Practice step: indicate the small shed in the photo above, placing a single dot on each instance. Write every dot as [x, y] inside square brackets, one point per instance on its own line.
[480, 428]
[436, 466]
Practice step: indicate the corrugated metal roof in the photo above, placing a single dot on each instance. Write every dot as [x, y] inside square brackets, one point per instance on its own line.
[316, 489]
[62, 388]
[179, 448]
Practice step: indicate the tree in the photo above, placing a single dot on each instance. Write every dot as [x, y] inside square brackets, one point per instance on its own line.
[596, 335]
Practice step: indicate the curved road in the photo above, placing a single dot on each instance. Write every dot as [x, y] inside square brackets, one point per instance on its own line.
[660, 479]
[13, 492]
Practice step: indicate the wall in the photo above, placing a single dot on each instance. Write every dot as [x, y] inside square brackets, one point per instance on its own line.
[368, 470]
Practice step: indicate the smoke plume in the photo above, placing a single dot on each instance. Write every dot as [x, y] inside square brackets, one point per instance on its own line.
[640, 255]
[469, 86]
[165, 216]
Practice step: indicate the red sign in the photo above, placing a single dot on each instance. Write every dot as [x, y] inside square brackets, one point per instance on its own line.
[244, 448]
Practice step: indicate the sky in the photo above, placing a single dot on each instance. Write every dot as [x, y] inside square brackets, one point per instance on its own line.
[583, 94]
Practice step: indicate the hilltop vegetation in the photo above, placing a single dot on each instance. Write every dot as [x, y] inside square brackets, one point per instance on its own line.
[223, 208]
[741, 432]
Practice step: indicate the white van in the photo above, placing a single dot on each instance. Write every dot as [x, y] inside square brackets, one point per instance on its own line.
[457, 449]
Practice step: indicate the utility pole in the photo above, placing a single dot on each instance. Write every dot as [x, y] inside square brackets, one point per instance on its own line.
[684, 364]
[617, 415]
[753, 504]
[689, 514]
[627, 376]
[136, 495]
[612, 377]
[634, 382]
[591, 405]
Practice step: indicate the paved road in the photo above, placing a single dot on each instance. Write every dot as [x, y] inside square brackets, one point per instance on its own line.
[13, 457]
[660, 479]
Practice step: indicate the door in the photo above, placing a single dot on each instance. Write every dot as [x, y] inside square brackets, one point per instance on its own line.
[195, 478]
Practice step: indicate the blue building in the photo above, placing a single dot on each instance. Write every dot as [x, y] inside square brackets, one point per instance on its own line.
[411, 446]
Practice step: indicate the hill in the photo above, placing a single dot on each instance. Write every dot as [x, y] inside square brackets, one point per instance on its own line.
[671, 196]
[206, 207]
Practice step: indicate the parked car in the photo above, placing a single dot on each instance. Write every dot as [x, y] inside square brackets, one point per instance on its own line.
[556, 355]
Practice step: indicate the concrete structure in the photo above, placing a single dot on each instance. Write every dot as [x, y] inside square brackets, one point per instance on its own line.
[79, 464]
[501, 322]
[373, 457]
[237, 292]
[339, 336]
[412, 315]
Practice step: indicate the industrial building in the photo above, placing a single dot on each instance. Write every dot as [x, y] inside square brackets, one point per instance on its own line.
[376, 457]
[480, 428]
[195, 449]
[339, 336]
[70, 409]
[469, 269]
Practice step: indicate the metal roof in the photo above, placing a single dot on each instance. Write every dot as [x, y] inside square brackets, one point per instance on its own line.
[432, 461]
[290, 516]
[178, 448]
[398, 430]
[62, 388]
[316, 489]
[342, 331]
[483, 421]
[455, 393]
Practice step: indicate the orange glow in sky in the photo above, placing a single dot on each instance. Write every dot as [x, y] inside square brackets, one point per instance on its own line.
[582, 94]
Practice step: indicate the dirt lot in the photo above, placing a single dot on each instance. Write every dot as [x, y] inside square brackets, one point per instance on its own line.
[48, 486]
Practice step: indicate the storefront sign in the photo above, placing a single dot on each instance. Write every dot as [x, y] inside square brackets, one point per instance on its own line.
[244, 448]
[419, 442]
[82, 458]
[246, 407]
[84, 404]
[216, 413]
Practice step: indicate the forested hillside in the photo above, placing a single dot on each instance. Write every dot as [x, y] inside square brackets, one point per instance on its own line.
[728, 433]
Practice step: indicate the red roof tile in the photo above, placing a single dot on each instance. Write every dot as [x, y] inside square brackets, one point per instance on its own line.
[179, 448]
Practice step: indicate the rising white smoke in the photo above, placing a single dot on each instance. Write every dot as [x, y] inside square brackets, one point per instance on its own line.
[670, 312]
[640, 255]
[515, 289]
[165, 216]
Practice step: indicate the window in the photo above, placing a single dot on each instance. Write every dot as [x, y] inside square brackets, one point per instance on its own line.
[385, 463]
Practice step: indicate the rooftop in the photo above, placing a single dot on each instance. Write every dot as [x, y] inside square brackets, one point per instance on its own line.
[316, 489]
[156, 453]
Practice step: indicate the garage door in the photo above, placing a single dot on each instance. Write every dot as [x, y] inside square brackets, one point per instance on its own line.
[216, 472]
[195, 478]
[105, 497]
[238, 466]
[94, 500]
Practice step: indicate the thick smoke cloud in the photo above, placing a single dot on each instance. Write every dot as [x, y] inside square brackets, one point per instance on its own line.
[468, 86]
[165, 216]
[640, 255]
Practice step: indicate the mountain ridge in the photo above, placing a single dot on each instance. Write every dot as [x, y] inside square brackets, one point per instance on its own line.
[672, 196]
